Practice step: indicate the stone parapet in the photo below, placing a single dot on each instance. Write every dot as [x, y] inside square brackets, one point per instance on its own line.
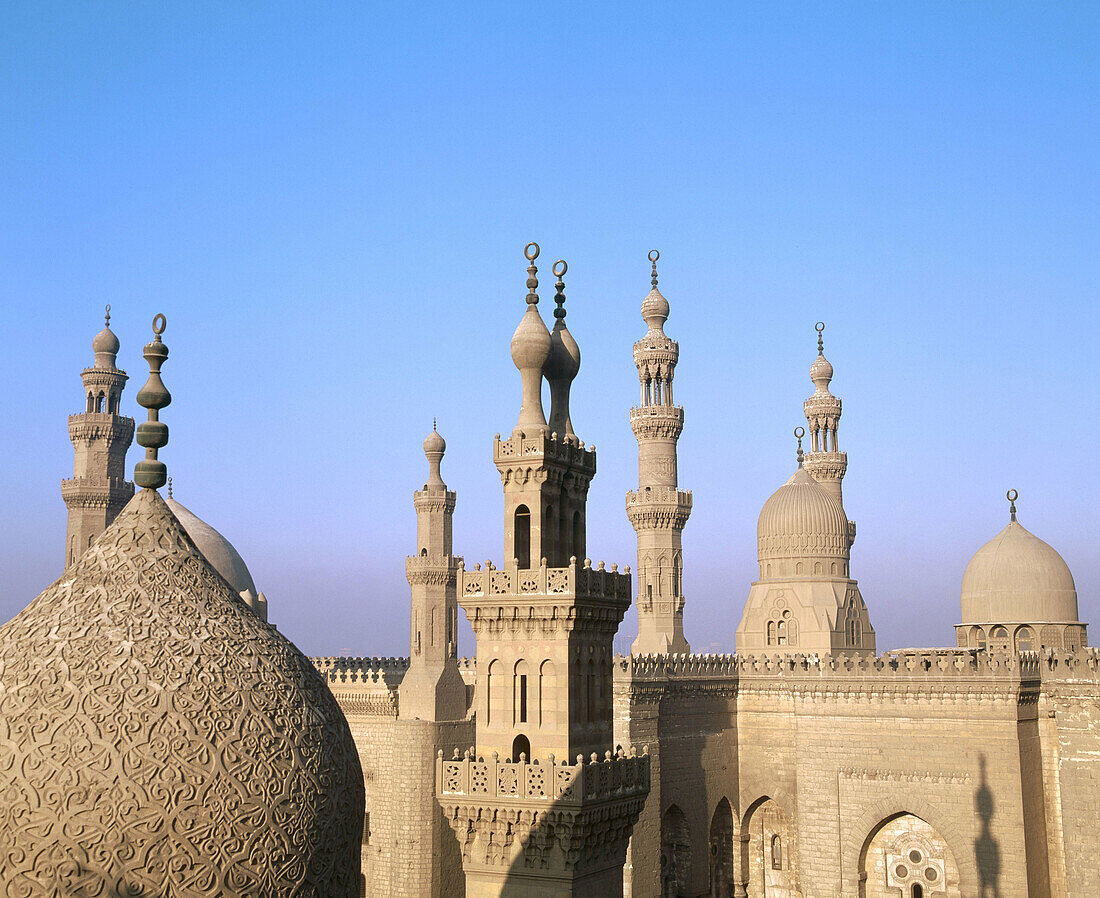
[88, 493]
[548, 821]
[385, 671]
[547, 596]
[522, 451]
[658, 508]
[440, 571]
[664, 422]
[101, 426]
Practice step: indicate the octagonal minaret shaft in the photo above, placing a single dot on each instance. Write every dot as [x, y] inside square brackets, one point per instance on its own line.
[824, 462]
[658, 510]
[432, 689]
[98, 489]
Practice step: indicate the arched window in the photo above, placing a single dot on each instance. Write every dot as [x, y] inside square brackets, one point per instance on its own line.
[777, 853]
[999, 633]
[676, 577]
[817, 567]
[494, 686]
[424, 552]
[91, 403]
[918, 890]
[771, 632]
[781, 633]
[521, 549]
[798, 567]
[1025, 639]
[99, 403]
[431, 629]
[519, 686]
[417, 632]
[90, 538]
[578, 536]
[590, 693]
[548, 682]
[521, 749]
[833, 568]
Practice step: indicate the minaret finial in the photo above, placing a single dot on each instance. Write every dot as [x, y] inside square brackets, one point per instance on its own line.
[435, 424]
[532, 281]
[1012, 496]
[799, 433]
[820, 327]
[654, 255]
[107, 316]
[559, 287]
[169, 487]
[150, 472]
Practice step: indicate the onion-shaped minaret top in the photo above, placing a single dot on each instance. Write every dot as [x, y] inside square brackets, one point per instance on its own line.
[563, 363]
[821, 371]
[150, 472]
[434, 447]
[530, 349]
[655, 306]
[105, 343]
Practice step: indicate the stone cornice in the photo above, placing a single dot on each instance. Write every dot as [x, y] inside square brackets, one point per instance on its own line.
[664, 422]
[440, 570]
[101, 426]
[103, 377]
[658, 508]
[79, 492]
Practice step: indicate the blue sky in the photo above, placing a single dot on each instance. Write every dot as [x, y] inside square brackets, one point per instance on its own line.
[329, 203]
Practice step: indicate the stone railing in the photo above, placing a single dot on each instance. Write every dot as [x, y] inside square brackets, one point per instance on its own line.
[616, 775]
[553, 446]
[362, 671]
[573, 580]
[657, 411]
[659, 495]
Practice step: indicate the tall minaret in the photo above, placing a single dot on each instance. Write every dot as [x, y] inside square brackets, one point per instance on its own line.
[98, 488]
[824, 462]
[545, 624]
[658, 510]
[432, 688]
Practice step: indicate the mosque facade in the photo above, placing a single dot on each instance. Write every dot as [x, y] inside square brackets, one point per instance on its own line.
[805, 765]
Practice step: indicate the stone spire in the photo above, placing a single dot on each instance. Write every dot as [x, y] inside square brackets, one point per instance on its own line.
[563, 364]
[98, 489]
[432, 688]
[658, 510]
[531, 346]
[825, 462]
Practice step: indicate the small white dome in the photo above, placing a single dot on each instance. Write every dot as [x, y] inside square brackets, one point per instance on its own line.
[216, 549]
[802, 519]
[1016, 577]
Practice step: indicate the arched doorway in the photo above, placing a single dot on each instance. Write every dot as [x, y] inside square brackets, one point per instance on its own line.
[675, 854]
[721, 851]
[770, 855]
[907, 856]
[521, 746]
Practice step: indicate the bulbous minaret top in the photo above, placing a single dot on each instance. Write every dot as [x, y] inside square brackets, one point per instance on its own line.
[434, 447]
[151, 472]
[531, 346]
[655, 306]
[563, 363]
[105, 343]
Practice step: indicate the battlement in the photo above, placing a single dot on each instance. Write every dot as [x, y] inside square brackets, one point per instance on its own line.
[922, 663]
[386, 672]
[616, 775]
[520, 450]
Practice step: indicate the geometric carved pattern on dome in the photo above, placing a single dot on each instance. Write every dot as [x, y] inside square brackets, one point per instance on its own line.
[158, 739]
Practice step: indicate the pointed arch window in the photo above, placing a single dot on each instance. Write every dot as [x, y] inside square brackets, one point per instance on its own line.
[521, 549]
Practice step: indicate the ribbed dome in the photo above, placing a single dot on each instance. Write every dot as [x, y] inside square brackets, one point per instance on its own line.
[655, 309]
[821, 372]
[215, 548]
[157, 738]
[801, 519]
[1016, 577]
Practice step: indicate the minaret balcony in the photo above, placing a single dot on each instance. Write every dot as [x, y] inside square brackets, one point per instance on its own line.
[525, 451]
[658, 507]
[437, 570]
[84, 492]
[100, 426]
[517, 599]
[656, 346]
[822, 405]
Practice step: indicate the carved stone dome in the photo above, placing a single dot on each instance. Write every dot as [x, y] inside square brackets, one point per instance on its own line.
[821, 372]
[215, 548]
[802, 520]
[1016, 577]
[157, 738]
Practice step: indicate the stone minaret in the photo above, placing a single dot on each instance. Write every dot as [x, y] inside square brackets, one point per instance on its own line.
[658, 510]
[544, 624]
[98, 488]
[432, 688]
[824, 462]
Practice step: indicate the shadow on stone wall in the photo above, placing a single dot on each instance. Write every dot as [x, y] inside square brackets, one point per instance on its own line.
[987, 852]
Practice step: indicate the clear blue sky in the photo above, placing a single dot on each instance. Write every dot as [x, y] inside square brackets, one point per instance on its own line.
[329, 202]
